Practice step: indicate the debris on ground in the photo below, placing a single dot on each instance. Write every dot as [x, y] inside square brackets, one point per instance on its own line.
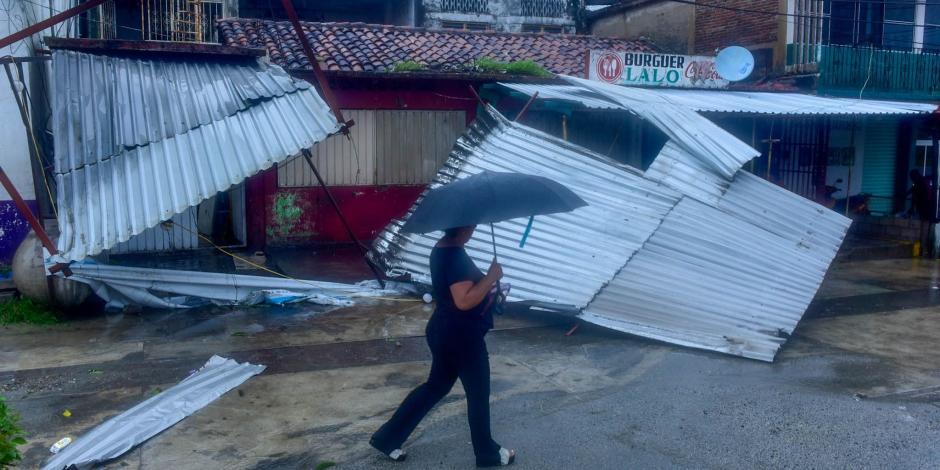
[60, 444]
[123, 287]
[116, 436]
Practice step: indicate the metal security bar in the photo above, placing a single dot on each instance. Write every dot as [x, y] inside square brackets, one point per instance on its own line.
[544, 8]
[180, 20]
[807, 30]
[795, 154]
[465, 6]
[100, 22]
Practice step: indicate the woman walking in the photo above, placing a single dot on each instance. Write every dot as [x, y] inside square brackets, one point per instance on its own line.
[455, 336]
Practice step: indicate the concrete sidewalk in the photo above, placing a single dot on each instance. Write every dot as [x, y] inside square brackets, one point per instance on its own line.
[858, 386]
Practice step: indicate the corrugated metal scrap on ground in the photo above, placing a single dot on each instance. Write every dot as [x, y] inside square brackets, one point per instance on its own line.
[682, 254]
[138, 141]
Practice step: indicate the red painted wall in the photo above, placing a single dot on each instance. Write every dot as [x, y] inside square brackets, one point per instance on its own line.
[304, 215]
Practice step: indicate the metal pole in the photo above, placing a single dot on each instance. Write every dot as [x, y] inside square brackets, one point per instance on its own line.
[52, 21]
[352, 236]
[317, 71]
[26, 212]
[526, 107]
[476, 95]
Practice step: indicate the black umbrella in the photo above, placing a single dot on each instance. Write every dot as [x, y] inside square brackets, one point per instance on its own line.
[490, 197]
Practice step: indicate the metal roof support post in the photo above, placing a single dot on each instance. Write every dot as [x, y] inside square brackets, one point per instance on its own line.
[32, 220]
[352, 236]
[526, 107]
[317, 71]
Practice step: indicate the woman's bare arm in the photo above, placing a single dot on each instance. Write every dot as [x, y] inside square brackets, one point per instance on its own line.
[468, 295]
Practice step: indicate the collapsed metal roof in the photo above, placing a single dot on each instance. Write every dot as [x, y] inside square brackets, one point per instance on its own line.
[574, 254]
[723, 101]
[710, 144]
[682, 254]
[139, 140]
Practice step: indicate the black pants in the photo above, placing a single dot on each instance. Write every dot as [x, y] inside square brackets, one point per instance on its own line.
[457, 350]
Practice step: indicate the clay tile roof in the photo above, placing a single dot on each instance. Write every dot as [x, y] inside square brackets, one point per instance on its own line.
[377, 48]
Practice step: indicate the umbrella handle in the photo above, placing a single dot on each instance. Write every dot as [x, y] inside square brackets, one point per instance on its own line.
[495, 257]
[493, 237]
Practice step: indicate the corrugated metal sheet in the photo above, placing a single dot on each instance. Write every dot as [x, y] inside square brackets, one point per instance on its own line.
[568, 257]
[678, 169]
[180, 235]
[116, 436]
[569, 93]
[340, 161]
[725, 265]
[108, 199]
[411, 145]
[880, 164]
[145, 101]
[122, 286]
[741, 272]
[391, 147]
[697, 135]
[736, 101]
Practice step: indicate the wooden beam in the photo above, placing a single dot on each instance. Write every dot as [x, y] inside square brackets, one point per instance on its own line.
[159, 47]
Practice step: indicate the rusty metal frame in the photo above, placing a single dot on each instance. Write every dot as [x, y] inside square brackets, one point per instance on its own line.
[51, 21]
[364, 250]
[328, 95]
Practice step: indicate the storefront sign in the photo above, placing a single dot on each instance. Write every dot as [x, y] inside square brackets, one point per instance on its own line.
[660, 70]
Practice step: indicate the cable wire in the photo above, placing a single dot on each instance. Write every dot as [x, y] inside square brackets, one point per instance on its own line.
[268, 270]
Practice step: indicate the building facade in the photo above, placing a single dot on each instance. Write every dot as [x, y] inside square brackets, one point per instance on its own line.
[406, 121]
[844, 48]
[19, 158]
[531, 16]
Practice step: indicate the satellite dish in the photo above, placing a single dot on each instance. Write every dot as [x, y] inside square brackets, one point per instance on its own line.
[734, 63]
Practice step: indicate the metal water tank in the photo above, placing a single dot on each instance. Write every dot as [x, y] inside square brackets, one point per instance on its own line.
[30, 278]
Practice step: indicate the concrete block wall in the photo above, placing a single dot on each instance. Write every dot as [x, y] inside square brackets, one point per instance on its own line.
[887, 228]
[719, 28]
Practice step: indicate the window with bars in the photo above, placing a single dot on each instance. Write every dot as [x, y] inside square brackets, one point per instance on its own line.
[159, 20]
[180, 20]
[544, 8]
[465, 6]
[541, 28]
[99, 22]
[466, 26]
[897, 24]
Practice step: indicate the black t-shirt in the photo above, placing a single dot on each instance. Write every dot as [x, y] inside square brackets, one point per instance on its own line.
[450, 265]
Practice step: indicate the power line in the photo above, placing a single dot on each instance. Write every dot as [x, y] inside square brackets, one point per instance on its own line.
[85, 15]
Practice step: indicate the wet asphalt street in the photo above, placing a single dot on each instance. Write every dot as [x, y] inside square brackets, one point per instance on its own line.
[857, 386]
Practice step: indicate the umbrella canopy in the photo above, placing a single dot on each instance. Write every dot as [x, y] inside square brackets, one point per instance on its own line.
[490, 197]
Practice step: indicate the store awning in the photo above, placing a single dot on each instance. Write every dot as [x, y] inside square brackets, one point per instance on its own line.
[719, 101]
